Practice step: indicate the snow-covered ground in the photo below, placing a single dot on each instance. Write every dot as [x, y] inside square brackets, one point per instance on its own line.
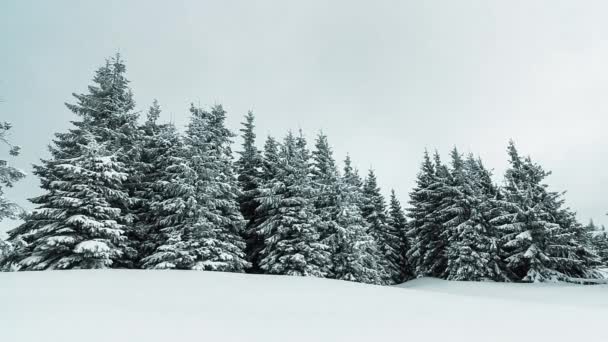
[150, 306]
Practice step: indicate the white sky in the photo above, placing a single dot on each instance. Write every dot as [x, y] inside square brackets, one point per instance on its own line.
[383, 79]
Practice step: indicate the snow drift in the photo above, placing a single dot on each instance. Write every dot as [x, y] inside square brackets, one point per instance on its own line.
[115, 305]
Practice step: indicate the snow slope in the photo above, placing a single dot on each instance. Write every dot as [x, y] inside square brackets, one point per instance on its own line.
[115, 305]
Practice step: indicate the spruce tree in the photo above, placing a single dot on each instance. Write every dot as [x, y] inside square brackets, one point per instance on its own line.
[77, 226]
[355, 253]
[327, 189]
[156, 142]
[8, 175]
[600, 243]
[291, 227]
[161, 160]
[399, 227]
[374, 211]
[539, 233]
[428, 251]
[249, 169]
[267, 182]
[66, 231]
[472, 245]
[203, 223]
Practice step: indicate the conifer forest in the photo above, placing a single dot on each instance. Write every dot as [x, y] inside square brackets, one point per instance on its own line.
[121, 189]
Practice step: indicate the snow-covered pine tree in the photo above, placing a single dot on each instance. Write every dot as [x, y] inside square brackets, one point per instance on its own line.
[327, 189]
[106, 115]
[571, 246]
[161, 158]
[355, 253]
[352, 177]
[539, 236]
[8, 175]
[373, 210]
[249, 169]
[202, 223]
[399, 225]
[77, 223]
[600, 242]
[472, 248]
[174, 210]
[428, 251]
[290, 226]
[267, 182]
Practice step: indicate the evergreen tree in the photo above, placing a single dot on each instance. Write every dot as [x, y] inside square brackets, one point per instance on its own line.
[355, 253]
[290, 228]
[105, 133]
[374, 211]
[539, 234]
[473, 252]
[157, 141]
[351, 176]
[399, 225]
[600, 242]
[208, 189]
[428, 251]
[270, 165]
[327, 189]
[77, 226]
[249, 168]
[8, 176]
[161, 159]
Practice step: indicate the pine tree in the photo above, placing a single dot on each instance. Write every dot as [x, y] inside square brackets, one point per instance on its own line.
[355, 253]
[267, 182]
[400, 227]
[539, 233]
[155, 144]
[249, 168]
[374, 211]
[600, 242]
[472, 246]
[428, 251]
[327, 189]
[8, 176]
[161, 157]
[290, 228]
[78, 225]
[208, 188]
[100, 144]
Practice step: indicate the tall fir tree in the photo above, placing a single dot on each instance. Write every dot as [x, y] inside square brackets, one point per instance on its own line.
[155, 142]
[106, 129]
[8, 175]
[161, 158]
[79, 227]
[473, 252]
[211, 240]
[600, 242]
[270, 165]
[400, 227]
[374, 211]
[249, 169]
[327, 190]
[293, 243]
[539, 233]
[428, 251]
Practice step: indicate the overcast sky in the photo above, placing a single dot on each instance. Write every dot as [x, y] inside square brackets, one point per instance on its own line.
[383, 79]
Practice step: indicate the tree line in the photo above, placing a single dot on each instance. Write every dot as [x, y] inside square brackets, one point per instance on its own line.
[118, 193]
